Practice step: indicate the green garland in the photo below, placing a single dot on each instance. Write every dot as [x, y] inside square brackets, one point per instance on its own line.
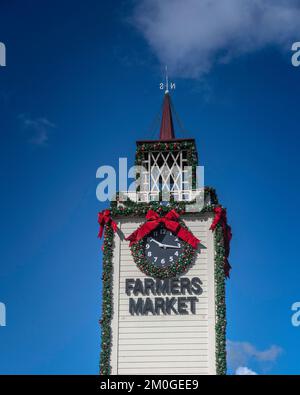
[221, 365]
[179, 267]
[188, 146]
[107, 301]
[107, 298]
[129, 207]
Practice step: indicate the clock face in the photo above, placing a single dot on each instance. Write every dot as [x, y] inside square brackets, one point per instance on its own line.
[162, 248]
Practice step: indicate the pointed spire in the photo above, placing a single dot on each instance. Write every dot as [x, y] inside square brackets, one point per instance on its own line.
[166, 126]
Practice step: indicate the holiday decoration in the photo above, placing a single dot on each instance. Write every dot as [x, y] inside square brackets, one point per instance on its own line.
[188, 146]
[104, 218]
[170, 221]
[221, 218]
[107, 307]
[121, 206]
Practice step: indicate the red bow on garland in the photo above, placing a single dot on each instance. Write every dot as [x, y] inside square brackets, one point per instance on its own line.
[170, 221]
[104, 218]
[221, 218]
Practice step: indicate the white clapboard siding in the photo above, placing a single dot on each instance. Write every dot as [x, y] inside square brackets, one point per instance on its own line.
[150, 347]
[155, 353]
[162, 370]
[167, 324]
[164, 358]
[164, 344]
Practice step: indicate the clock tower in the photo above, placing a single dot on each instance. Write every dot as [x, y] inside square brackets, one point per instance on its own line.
[164, 266]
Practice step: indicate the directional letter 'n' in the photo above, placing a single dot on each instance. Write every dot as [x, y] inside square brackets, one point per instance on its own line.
[2, 54]
[2, 314]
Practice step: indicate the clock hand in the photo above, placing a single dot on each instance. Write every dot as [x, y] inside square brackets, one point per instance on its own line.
[157, 242]
[163, 245]
[169, 246]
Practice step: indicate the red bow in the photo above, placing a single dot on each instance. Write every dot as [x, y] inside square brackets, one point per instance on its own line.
[104, 218]
[170, 221]
[221, 218]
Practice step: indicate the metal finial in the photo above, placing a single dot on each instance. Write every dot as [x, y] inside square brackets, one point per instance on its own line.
[167, 81]
[165, 85]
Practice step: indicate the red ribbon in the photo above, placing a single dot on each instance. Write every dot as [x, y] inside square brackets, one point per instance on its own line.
[221, 217]
[104, 218]
[170, 221]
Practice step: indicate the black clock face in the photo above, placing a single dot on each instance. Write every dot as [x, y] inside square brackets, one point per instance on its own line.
[162, 248]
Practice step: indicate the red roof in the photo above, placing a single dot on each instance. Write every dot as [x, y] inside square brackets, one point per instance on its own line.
[166, 126]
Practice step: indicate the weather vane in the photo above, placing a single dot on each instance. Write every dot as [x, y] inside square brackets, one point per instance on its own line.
[165, 85]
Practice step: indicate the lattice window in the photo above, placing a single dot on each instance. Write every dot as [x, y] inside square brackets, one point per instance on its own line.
[164, 172]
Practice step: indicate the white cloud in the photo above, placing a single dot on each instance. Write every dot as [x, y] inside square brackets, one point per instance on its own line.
[243, 370]
[191, 36]
[239, 354]
[38, 129]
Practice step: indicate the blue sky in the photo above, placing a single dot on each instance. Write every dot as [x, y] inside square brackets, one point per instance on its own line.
[80, 87]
